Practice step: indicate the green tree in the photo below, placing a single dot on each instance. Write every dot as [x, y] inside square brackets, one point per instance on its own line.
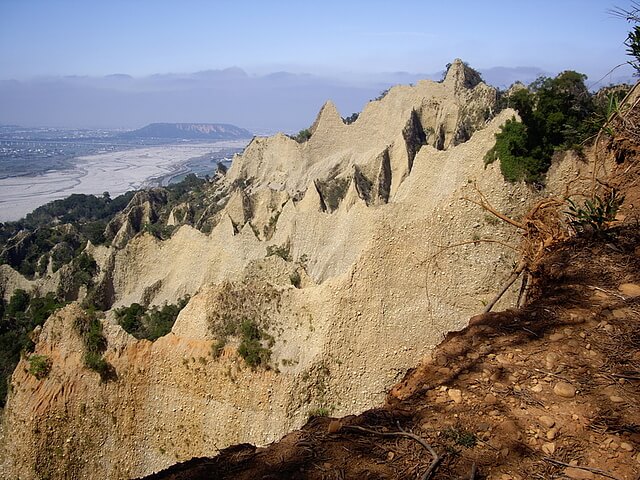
[18, 302]
[556, 113]
[633, 37]
[303, 136]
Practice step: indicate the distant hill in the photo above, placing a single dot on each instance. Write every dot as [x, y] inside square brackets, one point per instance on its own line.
[190, 131]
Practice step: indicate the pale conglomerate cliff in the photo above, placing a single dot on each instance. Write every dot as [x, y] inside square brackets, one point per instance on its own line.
[360, 214]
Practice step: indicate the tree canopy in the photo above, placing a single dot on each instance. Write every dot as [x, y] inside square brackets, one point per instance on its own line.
[557, 113]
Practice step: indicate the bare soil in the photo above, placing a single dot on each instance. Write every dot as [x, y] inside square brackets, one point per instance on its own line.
[548, 391]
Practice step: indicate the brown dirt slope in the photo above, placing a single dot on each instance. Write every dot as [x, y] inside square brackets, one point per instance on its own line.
[548, 391]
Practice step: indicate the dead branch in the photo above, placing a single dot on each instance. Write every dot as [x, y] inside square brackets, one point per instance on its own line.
[512, 278]
[474, 471]
[589, 469]
[436, 459]
[484, 203]
[522, 295]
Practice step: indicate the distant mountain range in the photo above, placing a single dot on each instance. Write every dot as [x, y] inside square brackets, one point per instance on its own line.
[189, 131]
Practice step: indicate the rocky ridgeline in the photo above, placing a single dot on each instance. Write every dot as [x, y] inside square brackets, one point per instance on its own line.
[322, 275]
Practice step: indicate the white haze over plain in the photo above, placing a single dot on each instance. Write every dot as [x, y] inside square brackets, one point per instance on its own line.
[265, 103]
[115, 172]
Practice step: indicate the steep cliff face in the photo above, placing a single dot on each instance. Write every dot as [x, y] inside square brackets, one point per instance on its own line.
[361, 287]
[438, 114]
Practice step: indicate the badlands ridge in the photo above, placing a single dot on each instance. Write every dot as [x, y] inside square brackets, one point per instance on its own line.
[361, 213]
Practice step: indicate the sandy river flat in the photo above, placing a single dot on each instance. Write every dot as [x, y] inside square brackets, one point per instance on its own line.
[114, 172]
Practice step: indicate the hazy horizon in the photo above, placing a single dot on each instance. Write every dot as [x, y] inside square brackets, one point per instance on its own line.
[278, 101]
[269, 67]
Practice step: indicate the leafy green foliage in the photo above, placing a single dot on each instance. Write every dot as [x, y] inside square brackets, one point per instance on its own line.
[29, 251]
[270, 228]
[178, 192]
[319, 412]
[77, 208]
[594, 215]
[556, 114]
[40, 308]
[149, 324]
[303, 135]
[217, 347]
[461, 437]
[130, 318]
[243, 312]
[159, 230]
[18, 318]
[633, 48]
[516, 162]
[95, 344]
[351, 118]
[58, 230]
[83, 270]
[633, 38]
[18, 303]
[381, 95]
[251, 349]
[39, 366]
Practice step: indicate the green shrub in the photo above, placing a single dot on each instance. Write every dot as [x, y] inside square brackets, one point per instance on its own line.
[381, 95]
[594, 215]
[18, 303]
[95, 344]
[159, 230]
[351, 118]
[96, 362]
[633, 38]
[39, 366]
[251, 349]
[557, 113]
[40, 308]
[18, 318]
[217, 347]
[149, 324]
[512, 149]
[633, 44]
[303, 136]
[270, 228]
[244, 311]
[461, 437]
[130, 318]
[319, 412]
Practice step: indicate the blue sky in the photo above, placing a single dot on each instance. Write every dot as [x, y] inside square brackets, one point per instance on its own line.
[62, 37]
[55, 55]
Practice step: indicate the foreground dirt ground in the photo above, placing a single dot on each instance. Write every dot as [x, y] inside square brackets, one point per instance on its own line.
[548, 391]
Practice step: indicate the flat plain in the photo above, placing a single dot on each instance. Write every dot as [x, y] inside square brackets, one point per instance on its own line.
[113, 172]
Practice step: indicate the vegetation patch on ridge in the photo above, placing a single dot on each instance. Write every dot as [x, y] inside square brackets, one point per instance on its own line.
[150, 324]
[242, 313]
[557, 114]
[89, 327]
[18, 318]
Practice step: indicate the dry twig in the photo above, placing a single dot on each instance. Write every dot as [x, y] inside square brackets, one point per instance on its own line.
[436, 459]
[589, 469]
[512, 278]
